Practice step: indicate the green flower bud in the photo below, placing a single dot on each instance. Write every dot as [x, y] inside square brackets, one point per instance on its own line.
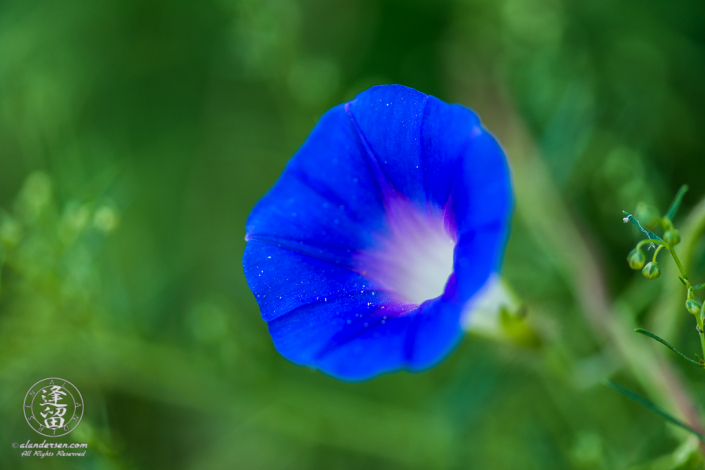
[693, 306]
[647, 215]
[672, 237]
[636, 258]
[651, 270]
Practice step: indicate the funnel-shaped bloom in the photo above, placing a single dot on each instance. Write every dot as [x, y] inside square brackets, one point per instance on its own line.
[379, 233]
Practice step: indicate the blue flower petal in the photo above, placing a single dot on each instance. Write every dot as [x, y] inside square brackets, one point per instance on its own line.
[284, 279]
[379, 232]
[358, 337]
[353, 337]
[326, 194]
[448, 131]
[477, 255]
[483, 193]
[389, 119]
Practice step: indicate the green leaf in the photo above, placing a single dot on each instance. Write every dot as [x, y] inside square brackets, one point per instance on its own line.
[667, 344]
[699, 286]
[682, 280]
[676, 203]
[650, 235]
[659, 411]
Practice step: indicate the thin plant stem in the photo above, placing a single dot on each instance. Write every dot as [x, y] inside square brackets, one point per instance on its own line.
[663, 316]
[678, 263]
[667, 344]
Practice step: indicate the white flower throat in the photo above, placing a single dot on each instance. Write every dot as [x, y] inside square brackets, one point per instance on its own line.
[413, 258]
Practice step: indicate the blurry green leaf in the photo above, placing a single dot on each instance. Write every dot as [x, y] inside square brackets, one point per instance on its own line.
[650, 235]
[676, 203]
[644, 402]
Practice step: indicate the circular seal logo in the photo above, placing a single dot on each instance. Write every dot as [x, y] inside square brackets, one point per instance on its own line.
[53, 407]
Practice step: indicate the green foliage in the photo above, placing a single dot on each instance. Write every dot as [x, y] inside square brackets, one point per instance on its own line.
[670, 215]
[647, 404]
[668, 345]
[652, 270]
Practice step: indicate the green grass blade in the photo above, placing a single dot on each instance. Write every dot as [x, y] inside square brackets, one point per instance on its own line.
[644, 402]
[676, 203]
[649, 234]
[667, 344]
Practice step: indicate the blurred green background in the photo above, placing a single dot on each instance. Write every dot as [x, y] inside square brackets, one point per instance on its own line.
[135, 137]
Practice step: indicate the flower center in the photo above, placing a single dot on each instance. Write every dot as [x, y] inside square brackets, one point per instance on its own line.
[413, 257]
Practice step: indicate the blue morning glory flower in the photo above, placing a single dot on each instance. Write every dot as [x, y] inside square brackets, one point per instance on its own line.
[379, 234]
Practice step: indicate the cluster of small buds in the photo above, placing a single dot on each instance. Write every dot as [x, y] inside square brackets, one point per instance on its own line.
[637, 260]
[671, 237]
[648, 219]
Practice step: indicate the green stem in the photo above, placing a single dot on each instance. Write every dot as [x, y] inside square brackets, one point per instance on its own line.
[678, 263]
[658, 250]
[649, 242]
[699, 320]
[664, 316]
[684, 276]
